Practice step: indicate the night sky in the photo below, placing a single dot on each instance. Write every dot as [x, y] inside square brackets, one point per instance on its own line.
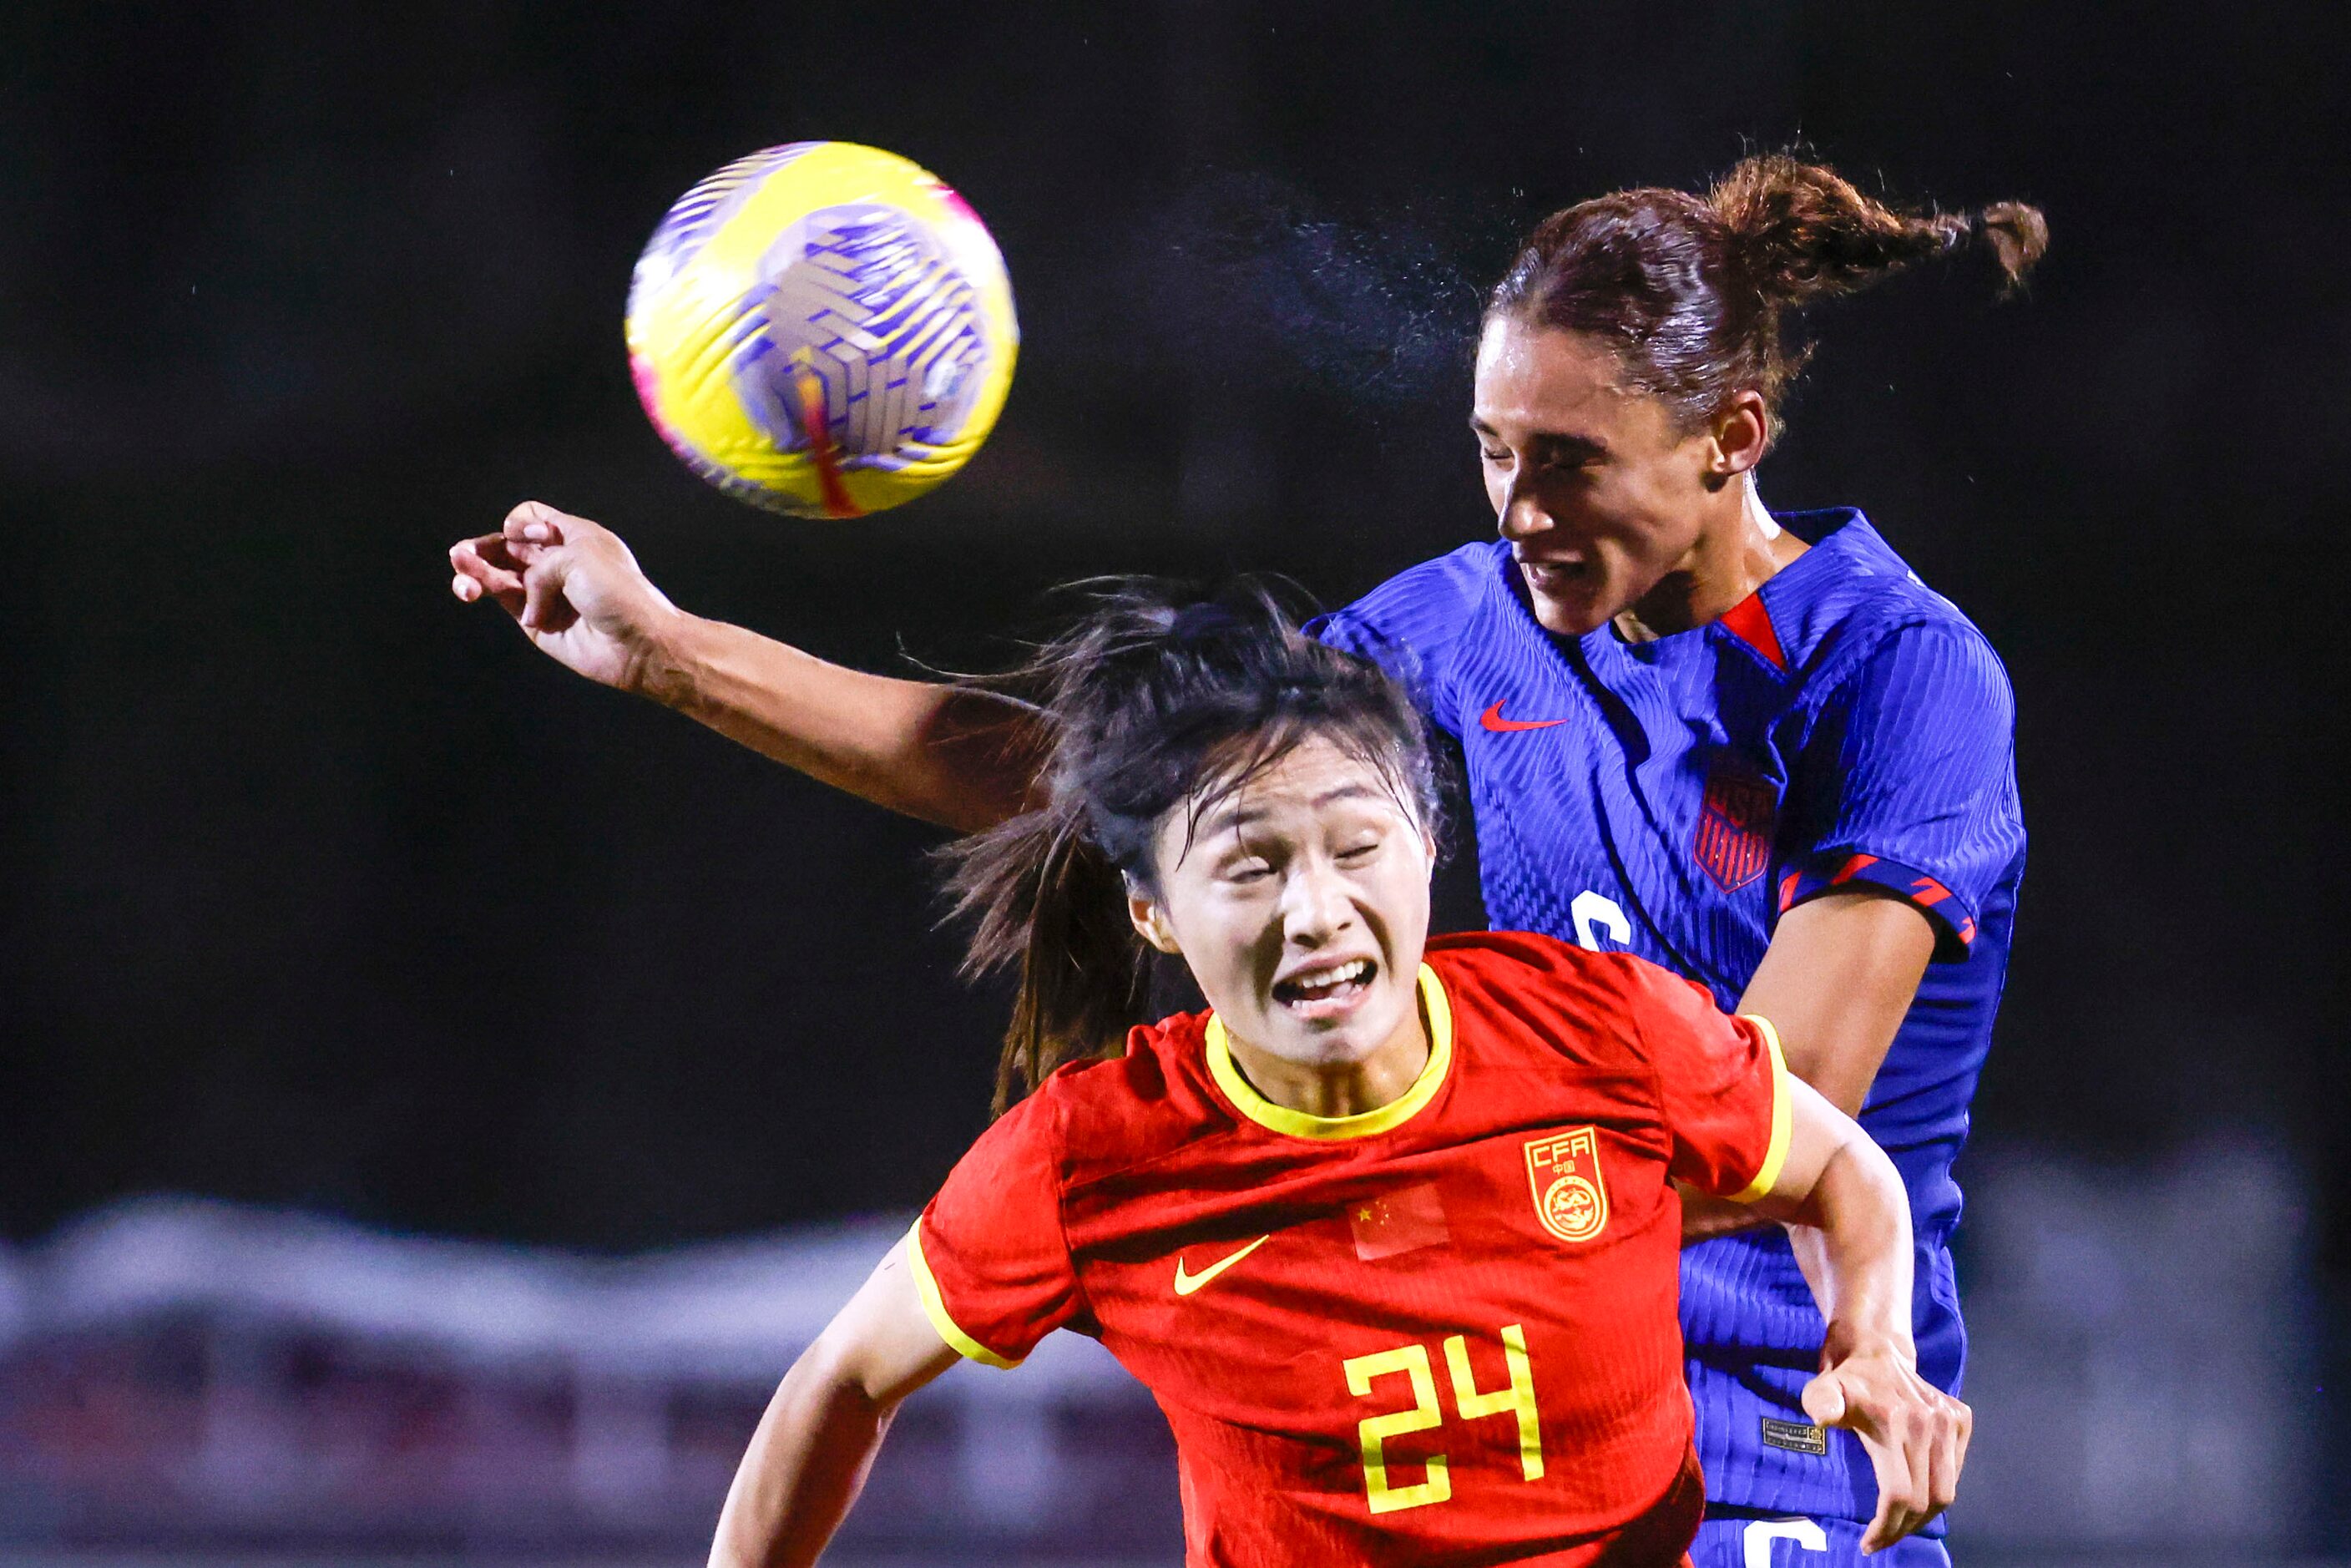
[324, 891]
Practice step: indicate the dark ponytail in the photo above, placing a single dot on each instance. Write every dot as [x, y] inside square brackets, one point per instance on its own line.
[1690, 291]
[1046, 904]
[1152, 706]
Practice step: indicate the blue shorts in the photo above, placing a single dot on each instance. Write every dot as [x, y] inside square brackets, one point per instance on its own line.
[1788, 1543]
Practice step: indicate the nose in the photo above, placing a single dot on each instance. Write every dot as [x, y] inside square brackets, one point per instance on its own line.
[1315, 906]
[1520, 514]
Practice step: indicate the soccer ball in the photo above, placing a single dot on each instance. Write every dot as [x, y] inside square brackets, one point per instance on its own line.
[822, 328]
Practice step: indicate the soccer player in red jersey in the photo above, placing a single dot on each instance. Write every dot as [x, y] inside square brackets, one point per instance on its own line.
[1391, 1232]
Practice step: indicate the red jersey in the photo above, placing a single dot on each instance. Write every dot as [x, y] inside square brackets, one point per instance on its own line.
[1439, 1332]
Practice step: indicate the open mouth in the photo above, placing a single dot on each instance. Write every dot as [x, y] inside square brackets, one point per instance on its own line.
[1325, 989]
[1557, 576]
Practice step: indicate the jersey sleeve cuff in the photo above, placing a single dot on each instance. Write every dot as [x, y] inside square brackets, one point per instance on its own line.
[1953, 917]
[926, 1286]
[1775, 1154]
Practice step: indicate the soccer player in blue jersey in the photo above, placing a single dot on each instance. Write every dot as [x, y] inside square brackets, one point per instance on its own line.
[1752, 747]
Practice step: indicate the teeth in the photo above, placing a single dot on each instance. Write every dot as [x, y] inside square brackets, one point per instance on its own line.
[1331, 980]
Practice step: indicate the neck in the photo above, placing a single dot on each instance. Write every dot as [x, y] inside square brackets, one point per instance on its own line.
[1339, 1088]
[1736, 553]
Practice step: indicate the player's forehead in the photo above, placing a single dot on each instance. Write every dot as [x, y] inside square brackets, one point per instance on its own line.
[1319, 781]
[1534, 380]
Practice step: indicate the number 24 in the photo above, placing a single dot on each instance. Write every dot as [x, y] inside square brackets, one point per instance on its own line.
[1412, 1360]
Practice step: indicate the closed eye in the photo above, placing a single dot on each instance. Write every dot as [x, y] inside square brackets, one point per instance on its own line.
[1566, 452]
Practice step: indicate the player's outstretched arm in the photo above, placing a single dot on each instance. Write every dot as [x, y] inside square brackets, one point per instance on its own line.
[961, 759]
[817, 1441]
[1853, 1219]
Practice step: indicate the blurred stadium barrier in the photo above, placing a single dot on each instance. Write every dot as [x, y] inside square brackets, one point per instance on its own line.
[184, 1376]
[188, 1374]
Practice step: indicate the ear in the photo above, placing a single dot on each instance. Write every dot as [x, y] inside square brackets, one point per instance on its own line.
[1150, 921]
[1743, 434]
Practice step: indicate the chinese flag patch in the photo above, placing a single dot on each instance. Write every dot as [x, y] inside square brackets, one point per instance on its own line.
[1400, 1221]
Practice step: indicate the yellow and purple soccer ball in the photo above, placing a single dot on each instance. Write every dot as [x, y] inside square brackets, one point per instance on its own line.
[822, 328]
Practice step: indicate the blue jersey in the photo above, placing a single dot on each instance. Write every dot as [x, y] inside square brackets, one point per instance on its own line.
[1845, 724]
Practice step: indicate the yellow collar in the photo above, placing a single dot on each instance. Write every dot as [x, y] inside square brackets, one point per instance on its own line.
[1300, 1124]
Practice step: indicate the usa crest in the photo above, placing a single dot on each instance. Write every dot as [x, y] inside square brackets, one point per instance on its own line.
[1733, 842]
[1564, 1171]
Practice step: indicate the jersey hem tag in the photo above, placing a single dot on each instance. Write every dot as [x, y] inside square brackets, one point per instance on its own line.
[1796, 1437]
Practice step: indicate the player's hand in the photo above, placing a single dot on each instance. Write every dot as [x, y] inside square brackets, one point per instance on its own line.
[1915, 1434]
[573, 588]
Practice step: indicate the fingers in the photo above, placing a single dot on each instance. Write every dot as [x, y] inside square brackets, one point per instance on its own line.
[1825, 1401]
[536, 522]
[1901, 1483]
[486, 566]
[1881, 1532]
[545, 608]
[485, 559]
[1946, 1456]
[1901, 1489]
[516, 565]
[1942, 1473]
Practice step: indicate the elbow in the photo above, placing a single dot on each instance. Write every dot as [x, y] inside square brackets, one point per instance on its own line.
[1860, 1187]
[1858, 1190]
[1879, 1170]
[838, 1373]
[825, 1378]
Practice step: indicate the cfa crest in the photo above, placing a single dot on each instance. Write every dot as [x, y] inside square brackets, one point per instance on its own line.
[1564, 1171]
[1733, 840]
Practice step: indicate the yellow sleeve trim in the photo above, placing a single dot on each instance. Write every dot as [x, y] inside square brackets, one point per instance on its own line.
[927, 1287]
[1767, 1174]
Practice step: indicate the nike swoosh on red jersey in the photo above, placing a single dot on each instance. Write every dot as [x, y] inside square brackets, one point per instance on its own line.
[1493, 719]
[1187, 1283]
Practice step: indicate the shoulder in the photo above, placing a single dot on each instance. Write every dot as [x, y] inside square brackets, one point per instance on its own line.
[1515, 960]
[1454, 582]
[1424, 608]
[1562, 998]
[1934, 672]
[1852, 614]
[1121, 1111]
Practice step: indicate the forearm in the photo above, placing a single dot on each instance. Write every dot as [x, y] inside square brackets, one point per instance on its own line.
[961, 759]
[1852, 1237]
[803, 1469]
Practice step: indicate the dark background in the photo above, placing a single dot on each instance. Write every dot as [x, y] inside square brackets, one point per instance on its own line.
[324, 891]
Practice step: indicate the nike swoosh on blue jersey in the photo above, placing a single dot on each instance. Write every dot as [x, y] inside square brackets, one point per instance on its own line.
[1493, 719]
